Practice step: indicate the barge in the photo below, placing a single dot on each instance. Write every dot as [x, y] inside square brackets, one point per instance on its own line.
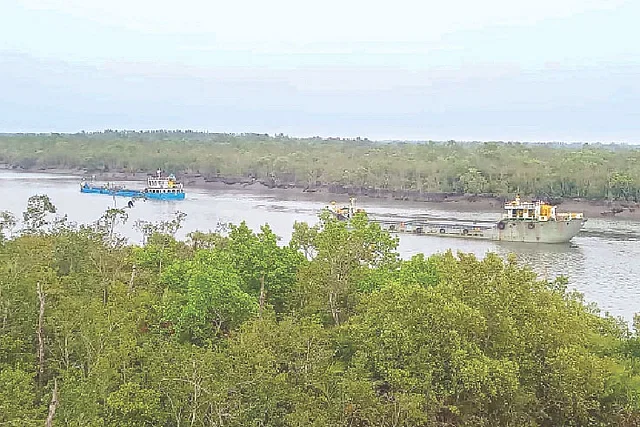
[158, 188]
[527, 222]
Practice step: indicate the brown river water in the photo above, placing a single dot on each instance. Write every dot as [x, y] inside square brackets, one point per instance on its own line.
[604, 265]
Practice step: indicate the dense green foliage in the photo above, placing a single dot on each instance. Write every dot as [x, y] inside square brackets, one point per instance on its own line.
[233, 329]
[588, 171]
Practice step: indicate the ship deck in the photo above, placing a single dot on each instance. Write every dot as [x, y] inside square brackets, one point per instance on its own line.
[445, 228]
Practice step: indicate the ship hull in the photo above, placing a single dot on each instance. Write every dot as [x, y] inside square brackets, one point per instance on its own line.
[119, 193]
[93, 190]
[537, 231]
[164, 196]
[124, 192]
[509, 231]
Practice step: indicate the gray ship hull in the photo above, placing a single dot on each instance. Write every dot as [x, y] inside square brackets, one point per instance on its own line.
[513, 230]
[537, 231]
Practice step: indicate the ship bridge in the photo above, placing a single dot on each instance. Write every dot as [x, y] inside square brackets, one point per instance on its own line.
[536, 211]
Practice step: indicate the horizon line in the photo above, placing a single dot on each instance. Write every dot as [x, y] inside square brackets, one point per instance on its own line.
[275, 135]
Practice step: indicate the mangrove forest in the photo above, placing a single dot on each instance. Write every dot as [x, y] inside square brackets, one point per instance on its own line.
[360, 166]
[234, 328]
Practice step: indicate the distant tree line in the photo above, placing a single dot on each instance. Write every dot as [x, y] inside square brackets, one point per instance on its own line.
[590, 171]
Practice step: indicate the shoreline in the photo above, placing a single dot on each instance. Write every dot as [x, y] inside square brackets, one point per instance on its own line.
[462, 203]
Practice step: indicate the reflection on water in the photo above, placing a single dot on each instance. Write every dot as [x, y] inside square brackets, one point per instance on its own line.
[605, 265]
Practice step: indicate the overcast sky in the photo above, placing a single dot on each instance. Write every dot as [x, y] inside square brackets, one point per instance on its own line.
[563, 70]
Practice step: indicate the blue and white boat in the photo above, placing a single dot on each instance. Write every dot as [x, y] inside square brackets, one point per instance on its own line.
[158, 188]
[163, 188]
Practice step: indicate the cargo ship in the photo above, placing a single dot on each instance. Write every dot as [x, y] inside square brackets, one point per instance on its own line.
[158, 188]
[526, 222]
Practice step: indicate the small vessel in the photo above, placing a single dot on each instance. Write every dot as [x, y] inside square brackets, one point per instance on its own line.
[158, 188]
[346, 212]
[527, 222]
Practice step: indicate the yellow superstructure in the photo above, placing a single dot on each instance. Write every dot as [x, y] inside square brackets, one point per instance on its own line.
[537, 211]
[345, 212]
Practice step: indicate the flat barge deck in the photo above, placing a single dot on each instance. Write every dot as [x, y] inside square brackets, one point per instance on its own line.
[480, 230]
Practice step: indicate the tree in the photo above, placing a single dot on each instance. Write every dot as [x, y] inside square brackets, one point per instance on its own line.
[35, 217]
[203, 299]
[7, 222]
[473, 181]
[346, 252]
[303, 237]
[160, 246]
[239, 330]
[267, 271]
[486, 343]
[620, 185]
[17, 397]
[108, 221]
[165, 228]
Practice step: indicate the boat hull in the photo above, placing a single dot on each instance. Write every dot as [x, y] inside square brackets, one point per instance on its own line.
[509, 231]
[537, 231]
[111, 192]
[164, 196]
[124, 192]
[93, 190]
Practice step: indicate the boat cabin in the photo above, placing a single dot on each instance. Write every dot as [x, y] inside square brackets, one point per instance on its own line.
[159, 184]
[536, 211]
[345, 212]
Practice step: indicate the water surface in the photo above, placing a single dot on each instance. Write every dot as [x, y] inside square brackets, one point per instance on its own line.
[605, 265]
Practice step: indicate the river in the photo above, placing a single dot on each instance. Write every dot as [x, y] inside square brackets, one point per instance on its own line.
[604, 265]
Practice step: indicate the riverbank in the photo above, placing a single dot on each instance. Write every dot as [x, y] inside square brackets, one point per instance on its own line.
[452, 202]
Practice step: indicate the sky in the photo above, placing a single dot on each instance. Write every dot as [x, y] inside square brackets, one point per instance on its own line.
[563, 70]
